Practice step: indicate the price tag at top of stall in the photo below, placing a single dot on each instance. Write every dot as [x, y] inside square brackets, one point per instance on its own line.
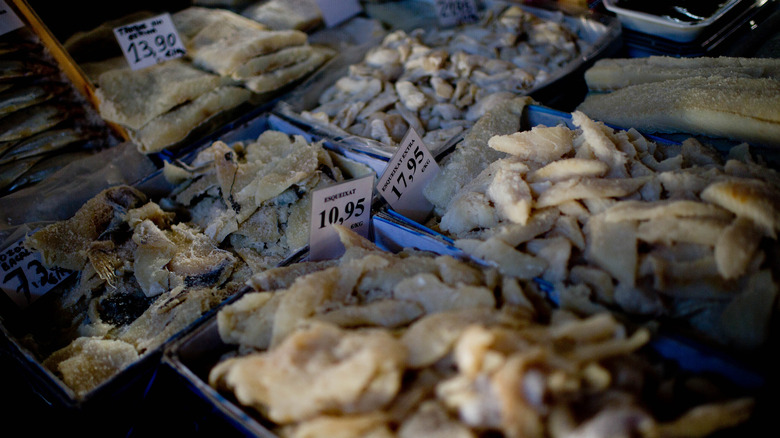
[24, 278]
[9, 22]
[406, 175]
[151, 41]
[335, 12]
[454, 12]
[347, 204]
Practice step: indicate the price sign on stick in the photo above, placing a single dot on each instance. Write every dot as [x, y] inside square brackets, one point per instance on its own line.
[453, 12]
[151, 41]
[24, 278]
[8, 20]
[347, 204]
[406, 175]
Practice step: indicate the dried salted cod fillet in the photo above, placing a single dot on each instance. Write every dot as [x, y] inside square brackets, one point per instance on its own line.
[223, 53]
[747, 320]
[435, 296]
[753, 199]
[643, 211]
[179, 257]
[433, 421]
[541, 144]
[88, 362]
[276, 177]
[285, 14]
[742, 109]
[589, 188]
[274, 79]
[613, 247]
[265, 63]
[736, 246]
[510, 193]
[64, 243]
[432, 337]
[190, 21]
[310, 293]
[170, 128]
[615, 73]
[343, 372]
[474, 154]
[380, 313]
[134, 98]
[506, 258]
[600, 144]
[568, 168]
[668, 230]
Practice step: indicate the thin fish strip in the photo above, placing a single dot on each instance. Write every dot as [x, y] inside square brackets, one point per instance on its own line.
[30, 121]
[44, 143]
[23, 97]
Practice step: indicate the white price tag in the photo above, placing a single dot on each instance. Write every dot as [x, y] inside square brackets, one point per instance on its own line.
[453, 12]
[9, 22]
[347, 204]
[334, 12]
[408, 172]
[151, 41]
[24, 278]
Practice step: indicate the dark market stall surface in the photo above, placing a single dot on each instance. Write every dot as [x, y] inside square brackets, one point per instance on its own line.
[169, 407]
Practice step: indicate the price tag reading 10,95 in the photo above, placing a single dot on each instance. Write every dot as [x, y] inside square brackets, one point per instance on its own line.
[151, 41]
[24, 278]
[347, 204]
[408, 172]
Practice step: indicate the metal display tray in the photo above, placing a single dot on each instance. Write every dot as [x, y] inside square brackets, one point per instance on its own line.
[601, 31]
[129, 384]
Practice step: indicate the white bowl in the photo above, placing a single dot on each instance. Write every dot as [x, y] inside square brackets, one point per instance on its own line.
[663, 26]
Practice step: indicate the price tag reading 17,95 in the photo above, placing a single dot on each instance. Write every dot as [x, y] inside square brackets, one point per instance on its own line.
[408, 172]
[347, 204]
[149, 41]
[24, 278]
[454, 12]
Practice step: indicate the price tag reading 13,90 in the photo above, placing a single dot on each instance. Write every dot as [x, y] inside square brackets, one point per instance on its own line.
[24, 278]
[149, 41]
[347, 204]
[408, 172]
[453, 12]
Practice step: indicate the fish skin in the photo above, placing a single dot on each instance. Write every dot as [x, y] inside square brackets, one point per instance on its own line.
[43, 167]
[43, 143]
[12, 171]
[10, 48]
[14, 69]
[6, 146]
[32, 120]
[22, 97]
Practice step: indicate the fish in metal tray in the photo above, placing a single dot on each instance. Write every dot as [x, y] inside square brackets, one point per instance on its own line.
[12, 171]
[16, 47]
[25, 96]
[32, 120]
[14, 69]
[42, 167]
[44, 143]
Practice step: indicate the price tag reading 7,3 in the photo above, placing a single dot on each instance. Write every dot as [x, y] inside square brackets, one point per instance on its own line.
[408, 172]
[453, 12]
[24, 278]
[347, 204]
[149, 41]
